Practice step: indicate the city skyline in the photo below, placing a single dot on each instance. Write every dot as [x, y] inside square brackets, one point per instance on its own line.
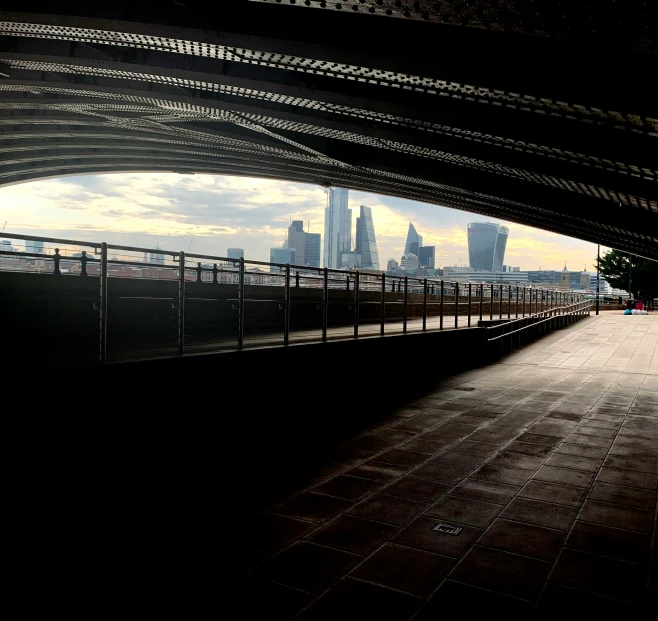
[213, 213]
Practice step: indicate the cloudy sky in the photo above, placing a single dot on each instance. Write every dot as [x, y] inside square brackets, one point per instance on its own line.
[212, 213]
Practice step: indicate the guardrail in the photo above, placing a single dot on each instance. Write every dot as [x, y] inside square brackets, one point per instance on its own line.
[367, 293]
[504, 338]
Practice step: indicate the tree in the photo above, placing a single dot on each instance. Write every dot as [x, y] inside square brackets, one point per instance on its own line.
[614, 267]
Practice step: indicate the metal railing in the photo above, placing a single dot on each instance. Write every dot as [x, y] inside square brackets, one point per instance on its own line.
[397, 304]
[504, 338]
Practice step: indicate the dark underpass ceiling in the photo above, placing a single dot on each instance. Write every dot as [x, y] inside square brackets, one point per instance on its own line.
[539, 112]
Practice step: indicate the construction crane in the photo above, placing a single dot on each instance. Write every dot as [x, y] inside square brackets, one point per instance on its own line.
[3, 227]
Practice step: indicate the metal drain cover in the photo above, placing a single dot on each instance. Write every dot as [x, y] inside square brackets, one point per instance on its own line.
[448, 529]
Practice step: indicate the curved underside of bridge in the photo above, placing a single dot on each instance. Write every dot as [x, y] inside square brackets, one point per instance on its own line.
[535, 111]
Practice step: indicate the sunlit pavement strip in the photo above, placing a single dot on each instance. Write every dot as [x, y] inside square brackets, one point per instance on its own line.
[547, 461]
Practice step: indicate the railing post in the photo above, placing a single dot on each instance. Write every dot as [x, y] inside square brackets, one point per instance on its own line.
[356, 305]
[441, 308]
[325, 303]
[425, 305]
[382, 318]
[481, 299]
[491, 302]
[509, 303]
[286, 308]
[181, 303]
[103, 309]
[500, 302]
[456, 305]
[517, 302]
[241, 304]
[470, 295]
[406, 298]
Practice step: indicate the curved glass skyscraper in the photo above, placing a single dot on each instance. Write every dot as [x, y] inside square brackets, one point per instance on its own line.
[366, 244]
[486, 246]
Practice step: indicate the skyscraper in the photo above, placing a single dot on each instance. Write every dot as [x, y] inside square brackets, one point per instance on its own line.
[366, 243]
[234, 253]
[414, 241]
[281, 255]
[297, 241]
[337, 227]
[312, 250]
[426, 256]
[501, 245]
[486, 246]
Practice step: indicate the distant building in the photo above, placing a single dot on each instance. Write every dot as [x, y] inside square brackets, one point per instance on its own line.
[282, 255]
[296, 241]
[409, 262]
[565, 280]
[392, 264]
[469, 275]
[509, 268]
[366, 243]
[312, 249]
[306, 245]
[35, 247]
[156, 258]
[427, 256]
[487, 242]
[337, 227]
[414, 241]
[235, 253]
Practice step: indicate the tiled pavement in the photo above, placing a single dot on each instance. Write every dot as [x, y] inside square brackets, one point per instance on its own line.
[547, 461]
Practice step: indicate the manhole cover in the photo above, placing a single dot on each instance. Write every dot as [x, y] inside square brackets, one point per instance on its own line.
[448, 529]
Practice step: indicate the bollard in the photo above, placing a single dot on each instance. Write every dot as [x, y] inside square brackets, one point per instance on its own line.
[83, 263]
[56, 259]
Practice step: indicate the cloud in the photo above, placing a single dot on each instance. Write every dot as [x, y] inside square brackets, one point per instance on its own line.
[216, 212]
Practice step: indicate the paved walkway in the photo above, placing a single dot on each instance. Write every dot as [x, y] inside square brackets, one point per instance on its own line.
[528, 486]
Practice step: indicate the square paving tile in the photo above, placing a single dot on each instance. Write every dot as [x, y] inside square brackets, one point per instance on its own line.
[517, 460]
[470, 601]
[525, 448]
[627, 463]
[354, 599]
[397, 457]
[526, 539]
[310, 506]
[265, 599]
[414, 488]
[374, 471]
[422, 447]
[503, 572]
[597, 574]
[348, 488]
[484, 449]
[271, 532]
[540, 513]
[628, 477]
[584, 440]
[388, 509]
[566, 476]
[594, 452]
[436, 471]
[352, 534]
[553, 492]
[623, 495]
[308, 567]
[556, 600]
[606, 541]
[575, 462]
[486, 491]
[406, 569]
[457, 459]
[596, 431]
[420, 534]
[629, 518]
[552, 427]
[464, 511]
[512, 476]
